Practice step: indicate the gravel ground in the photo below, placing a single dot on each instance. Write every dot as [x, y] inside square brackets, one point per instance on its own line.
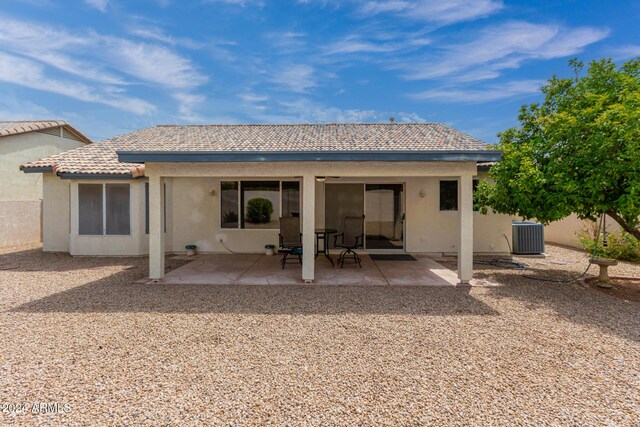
[78, 331]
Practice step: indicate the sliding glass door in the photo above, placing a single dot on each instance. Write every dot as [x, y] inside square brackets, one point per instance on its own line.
[384, 213]
[382, 206]
[340, 201]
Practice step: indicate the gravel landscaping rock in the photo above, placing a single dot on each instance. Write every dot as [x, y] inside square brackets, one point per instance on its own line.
[80, 331]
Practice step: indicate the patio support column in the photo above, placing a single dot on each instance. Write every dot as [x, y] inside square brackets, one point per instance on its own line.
[308, 227]
[465, 246]
[156, 232]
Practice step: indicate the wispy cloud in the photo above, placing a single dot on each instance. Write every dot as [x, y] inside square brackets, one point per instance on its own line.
[503, 47]
[626, 52]
[188, 104]
[296, 78]
[14, 108]
[440, 12]
[490, 93]
[111, 63]
[157, 34]
[354, 44]
[304, 110]
[101, 5]
[28, 73]
[154, 64]
[242, 3]
[253, 97]
[287, 41]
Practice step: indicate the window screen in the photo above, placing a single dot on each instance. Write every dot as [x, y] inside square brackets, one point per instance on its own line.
[290, 198]
[448, 195]
[90, 209]
[118, 209]
[260, 204]
[229, 204]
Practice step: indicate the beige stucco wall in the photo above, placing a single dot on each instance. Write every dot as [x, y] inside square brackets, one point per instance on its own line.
[428, 230]
[134, 244]
[565, 231]
[22, 148]
[193, 214]
[19, 222]
[55, 214]
[20, 193]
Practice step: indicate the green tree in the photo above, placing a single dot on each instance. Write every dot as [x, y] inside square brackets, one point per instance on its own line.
[576, 152]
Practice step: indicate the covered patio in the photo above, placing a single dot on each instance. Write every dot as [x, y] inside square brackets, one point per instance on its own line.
[257, 269]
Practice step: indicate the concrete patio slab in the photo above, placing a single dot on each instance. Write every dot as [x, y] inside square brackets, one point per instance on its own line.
[422, 272]
[218, 269]
[268, 271]
[256, 269]
[350, 274]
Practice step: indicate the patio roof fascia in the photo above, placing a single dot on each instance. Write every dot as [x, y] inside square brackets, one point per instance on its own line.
[102, 176]
[37, 170]
[310, 156]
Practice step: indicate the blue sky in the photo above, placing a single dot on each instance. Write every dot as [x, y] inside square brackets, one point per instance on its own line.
[113, 66]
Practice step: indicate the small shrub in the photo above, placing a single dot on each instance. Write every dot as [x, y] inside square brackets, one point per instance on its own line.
[259, 210]
[621, 246]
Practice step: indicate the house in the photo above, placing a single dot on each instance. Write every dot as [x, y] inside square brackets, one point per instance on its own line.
[20, 194]
[157, 189]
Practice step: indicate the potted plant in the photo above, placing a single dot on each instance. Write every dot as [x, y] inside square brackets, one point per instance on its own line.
[269, 249]
[191, 250]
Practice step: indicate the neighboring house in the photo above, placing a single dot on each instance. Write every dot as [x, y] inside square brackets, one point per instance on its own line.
[158, 189]
[20, 194]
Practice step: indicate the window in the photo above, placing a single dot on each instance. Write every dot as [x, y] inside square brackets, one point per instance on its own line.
[118, 215]
[290, 198]
[258, 204]
[260, 201]
[448, 195]
[90, 209]
[229, 204]
[146, 207]
[104, 209]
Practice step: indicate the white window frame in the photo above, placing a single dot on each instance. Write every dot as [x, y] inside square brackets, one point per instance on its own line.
[104, 209]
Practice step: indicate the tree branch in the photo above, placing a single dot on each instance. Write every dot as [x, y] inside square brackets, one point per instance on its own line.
[626, 227]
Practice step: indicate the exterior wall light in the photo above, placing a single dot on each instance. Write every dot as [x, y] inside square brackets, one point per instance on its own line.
[422, 194]
[321, 178]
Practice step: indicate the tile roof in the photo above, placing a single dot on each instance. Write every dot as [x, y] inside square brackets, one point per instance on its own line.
[23, 126]
[101, 157]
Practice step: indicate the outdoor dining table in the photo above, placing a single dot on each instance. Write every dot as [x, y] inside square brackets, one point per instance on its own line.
[323, 234]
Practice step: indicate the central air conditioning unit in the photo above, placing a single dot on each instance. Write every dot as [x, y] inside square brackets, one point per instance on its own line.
[528, 238]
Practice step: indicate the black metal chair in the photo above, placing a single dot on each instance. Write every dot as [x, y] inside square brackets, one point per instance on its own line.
[290, 239]
[351, 238]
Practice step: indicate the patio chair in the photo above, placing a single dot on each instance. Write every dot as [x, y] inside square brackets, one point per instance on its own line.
[351, 238]
[290, 239]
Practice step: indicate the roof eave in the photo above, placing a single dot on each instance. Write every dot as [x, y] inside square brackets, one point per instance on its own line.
[46, 169]
[310, 156]
[102, 176]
